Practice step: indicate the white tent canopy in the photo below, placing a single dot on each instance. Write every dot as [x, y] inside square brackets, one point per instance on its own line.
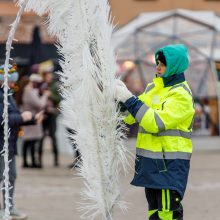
[198, 30]
[206, 19]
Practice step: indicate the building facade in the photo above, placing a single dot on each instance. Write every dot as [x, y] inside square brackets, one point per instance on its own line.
[8, 12]
[122, 10]
[125, 10]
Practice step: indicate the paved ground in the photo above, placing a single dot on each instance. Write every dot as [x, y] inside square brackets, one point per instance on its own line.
[52, 193]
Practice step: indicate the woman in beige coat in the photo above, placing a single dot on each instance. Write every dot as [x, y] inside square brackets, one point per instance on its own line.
[33, 102]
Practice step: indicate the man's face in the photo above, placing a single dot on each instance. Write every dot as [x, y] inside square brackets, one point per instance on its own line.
[48, 77]
[161, 68]
[11, 85]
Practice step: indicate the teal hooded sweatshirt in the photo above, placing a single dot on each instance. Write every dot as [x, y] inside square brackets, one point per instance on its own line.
[176, 56]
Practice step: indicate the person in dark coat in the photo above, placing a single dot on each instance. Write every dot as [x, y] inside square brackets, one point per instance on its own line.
[50, 115]
[16, 119]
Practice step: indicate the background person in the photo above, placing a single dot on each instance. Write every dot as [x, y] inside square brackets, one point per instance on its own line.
[16, 119]
[33, 102]
[50, 115]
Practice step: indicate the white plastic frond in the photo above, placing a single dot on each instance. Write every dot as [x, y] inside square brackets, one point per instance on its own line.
[83, 31]
[5, 115]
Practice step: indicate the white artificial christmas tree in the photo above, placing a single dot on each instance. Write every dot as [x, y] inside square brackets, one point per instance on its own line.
[83, 31]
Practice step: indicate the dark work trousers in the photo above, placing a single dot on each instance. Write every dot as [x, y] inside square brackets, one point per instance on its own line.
[49, 128]
[164, 204]
[29, 147]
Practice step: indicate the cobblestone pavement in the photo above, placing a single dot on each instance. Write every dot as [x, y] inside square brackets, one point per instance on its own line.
[53, 193]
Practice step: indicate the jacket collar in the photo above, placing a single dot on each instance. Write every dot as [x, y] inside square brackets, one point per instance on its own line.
[161, 82]
[173, 80]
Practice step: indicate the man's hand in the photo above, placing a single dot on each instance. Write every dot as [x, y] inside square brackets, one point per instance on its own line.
[122, 93]
[26, 116]
[39, 117]
[47, 93]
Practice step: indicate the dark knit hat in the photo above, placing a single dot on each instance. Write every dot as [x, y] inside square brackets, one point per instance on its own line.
[161, 58]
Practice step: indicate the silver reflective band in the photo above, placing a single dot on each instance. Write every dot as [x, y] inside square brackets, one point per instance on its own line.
[170, 132]
[175, 133]
[149, 154]
[184, 87]
[141, 112]
[159, 122]
[163, 155]
[142, 131]
[177, 155]
[149, 88]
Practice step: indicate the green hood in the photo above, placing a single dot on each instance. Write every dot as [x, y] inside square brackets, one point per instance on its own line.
[176, 59]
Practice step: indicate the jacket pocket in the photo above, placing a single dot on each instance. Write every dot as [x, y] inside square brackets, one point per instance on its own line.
[161, 165]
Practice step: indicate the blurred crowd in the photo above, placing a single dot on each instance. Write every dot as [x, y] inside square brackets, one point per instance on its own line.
[33, 109]
[38, 92]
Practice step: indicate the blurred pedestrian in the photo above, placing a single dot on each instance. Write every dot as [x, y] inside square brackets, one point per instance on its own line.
[34, 102]
[50, 115]
[165, 114]
[16, 119]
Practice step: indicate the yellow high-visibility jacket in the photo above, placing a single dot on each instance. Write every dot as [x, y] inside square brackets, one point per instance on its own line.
[165, 114]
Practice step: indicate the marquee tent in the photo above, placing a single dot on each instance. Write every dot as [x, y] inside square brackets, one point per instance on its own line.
[136, 42]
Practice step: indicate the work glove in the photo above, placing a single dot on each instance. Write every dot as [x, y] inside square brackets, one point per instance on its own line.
[122, 94]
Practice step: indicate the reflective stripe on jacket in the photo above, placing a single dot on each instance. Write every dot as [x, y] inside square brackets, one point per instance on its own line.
[163, 144]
